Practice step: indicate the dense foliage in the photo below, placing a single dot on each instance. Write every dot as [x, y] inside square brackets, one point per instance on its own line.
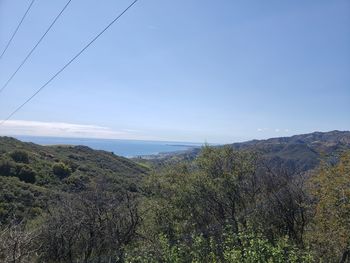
[225, 205]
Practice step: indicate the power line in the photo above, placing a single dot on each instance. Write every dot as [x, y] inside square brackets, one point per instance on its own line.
[69, 62]
[35, 46]
[15, 32]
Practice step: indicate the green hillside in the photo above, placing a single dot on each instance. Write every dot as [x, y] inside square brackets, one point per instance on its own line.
[30, 174]
[81, 161]
[276, 200]
[297, 153]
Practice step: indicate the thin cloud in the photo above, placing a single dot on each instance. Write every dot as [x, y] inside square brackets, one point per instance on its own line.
[276, 130]
[262, 129]
[62, 129]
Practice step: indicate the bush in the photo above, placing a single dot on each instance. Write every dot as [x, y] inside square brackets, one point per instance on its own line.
[7, 168]
[61, 170]
[26, 174]
[20, 156]
[22, 171]
[245, 247]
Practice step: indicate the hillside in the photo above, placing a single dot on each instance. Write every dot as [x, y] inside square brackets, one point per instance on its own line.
[81, 160]
[93, 206]
[301, 152]
[30, 173]
[298, 153]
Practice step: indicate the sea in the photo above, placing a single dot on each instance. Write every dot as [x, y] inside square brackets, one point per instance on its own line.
[126, 148]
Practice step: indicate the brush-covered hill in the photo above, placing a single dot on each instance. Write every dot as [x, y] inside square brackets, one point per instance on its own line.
[300, 152]
[80, 160]
[297, 153]
[30, 174]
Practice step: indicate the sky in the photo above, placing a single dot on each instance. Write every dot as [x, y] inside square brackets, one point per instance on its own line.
[186, 70]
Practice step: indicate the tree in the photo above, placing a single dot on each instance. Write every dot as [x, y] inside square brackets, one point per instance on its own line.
[332, 212]
[93, 226]
[218, 190]
[282, 194]
[17, 243]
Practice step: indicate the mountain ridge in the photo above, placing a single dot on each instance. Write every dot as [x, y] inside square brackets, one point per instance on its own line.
[300, 152]
[342, 136]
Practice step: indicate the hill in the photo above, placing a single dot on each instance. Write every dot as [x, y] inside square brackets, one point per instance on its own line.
[296, 153]
[300, 152]
[30, 174]
[74, 204]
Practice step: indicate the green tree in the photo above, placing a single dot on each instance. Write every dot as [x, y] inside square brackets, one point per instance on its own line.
[332, 213]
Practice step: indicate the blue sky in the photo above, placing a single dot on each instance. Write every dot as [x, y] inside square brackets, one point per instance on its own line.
[184, 70]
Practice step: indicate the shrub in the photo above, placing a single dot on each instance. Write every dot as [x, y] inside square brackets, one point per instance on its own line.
[20, 156]
[26, 174]
[61, 170]
[7, 168]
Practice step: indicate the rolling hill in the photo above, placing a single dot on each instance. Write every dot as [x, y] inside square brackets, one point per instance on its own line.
[296, 153]
[31, 174]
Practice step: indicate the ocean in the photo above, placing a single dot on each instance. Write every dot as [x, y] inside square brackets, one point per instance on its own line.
[126, 148]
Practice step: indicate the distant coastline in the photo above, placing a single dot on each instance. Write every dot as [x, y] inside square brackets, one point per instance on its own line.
[126, 148]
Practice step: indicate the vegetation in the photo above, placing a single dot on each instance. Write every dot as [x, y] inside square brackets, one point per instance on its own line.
[224, 205]
[61, 170]
[332, 210]
[20, 156]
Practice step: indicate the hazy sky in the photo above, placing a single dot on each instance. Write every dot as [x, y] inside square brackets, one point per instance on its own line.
[184, 70]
